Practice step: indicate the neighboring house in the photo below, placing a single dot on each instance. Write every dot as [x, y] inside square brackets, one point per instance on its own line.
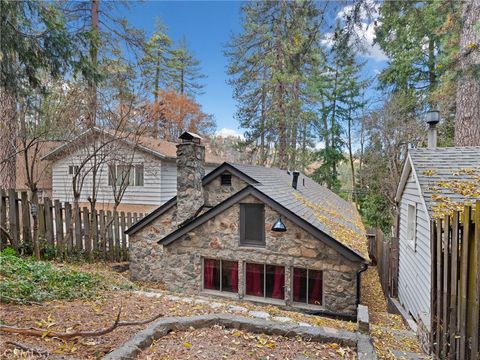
[431, 183]
[40, 171]
[143, 166]
[255, 233]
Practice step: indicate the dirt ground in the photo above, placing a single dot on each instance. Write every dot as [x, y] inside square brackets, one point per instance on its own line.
[100, 312]
[218, 343]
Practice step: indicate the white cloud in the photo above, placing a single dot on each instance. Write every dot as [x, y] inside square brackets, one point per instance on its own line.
[226, 132]
[369, 11]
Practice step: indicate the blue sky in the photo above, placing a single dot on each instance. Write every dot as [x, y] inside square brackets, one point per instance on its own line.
[207, 26]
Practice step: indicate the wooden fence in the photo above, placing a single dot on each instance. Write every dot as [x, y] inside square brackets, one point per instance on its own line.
[384, 254]
[100, 234]
[455, 247]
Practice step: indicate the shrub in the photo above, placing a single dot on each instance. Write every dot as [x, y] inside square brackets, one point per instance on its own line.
[25, 279]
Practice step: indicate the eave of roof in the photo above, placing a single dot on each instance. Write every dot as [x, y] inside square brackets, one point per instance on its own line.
[251, 190]
[225, 167]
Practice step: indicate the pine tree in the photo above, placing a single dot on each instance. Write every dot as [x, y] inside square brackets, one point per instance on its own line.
[155, 67]
[184, 71]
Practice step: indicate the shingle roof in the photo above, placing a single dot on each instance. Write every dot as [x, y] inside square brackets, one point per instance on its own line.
[447, 174]
[314, 203]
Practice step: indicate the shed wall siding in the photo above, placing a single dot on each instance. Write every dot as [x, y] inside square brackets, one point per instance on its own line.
[414, 263]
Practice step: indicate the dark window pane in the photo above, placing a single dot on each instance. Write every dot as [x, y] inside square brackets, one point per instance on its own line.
[211, 274]
[230, 276]
[252, 224]
[226, 179]
[138, 175]
[275, 282]
[254, 279]
[299, 285]
[315, 280]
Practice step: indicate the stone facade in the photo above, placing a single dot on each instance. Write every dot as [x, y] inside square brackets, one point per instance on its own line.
[179, 265]
[190, 172]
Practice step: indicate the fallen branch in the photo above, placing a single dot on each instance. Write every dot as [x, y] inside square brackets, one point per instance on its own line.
[26, 348]
[19, 301]
[69, 335]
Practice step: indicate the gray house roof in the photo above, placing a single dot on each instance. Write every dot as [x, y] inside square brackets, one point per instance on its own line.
[443, 174]
[310, 202]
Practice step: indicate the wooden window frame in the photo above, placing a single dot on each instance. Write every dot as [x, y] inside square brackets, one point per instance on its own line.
[264, 297]
[221, 276]
[243, 240]
[306, 303]
[412, 226]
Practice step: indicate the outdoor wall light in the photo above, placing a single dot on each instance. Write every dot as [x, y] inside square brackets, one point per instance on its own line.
[279, 226]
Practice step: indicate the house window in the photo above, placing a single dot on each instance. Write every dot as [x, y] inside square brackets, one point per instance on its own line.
[220, 275]
[252, 224]
[411, 224]
[226, 179]
[267, 281]
[125, 175]
[307, 286]
[73, 169]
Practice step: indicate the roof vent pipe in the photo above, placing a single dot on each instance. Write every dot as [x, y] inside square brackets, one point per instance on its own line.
[295, 179]
[432, 118]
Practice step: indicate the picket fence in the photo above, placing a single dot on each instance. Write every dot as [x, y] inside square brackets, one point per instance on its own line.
[94, 235]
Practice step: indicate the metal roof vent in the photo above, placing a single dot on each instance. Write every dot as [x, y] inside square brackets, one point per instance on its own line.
[296, 174]
[432, 118]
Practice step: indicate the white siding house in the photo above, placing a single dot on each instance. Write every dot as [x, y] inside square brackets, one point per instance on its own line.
[425, 169]
[153, 174]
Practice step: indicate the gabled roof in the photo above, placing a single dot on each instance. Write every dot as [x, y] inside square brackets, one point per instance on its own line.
[158, 148]
[310, 203]
[442, 173]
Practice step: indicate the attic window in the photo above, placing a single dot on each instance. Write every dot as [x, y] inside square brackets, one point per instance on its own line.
[252, 225]
[412, 225]
[226, 179]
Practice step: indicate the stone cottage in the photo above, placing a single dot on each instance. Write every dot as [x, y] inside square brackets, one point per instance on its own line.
[253, 233]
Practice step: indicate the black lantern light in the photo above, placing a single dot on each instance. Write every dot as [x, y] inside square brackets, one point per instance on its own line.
[279, 226]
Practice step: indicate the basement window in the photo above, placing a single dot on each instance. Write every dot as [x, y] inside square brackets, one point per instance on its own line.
[226, 179]
[220, 275]
[267, 281]
[308, 286]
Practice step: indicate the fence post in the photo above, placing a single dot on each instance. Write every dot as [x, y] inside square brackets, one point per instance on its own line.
[49, 222]
[59, 227]
[454, 284]
[116, 224]
[68, 227]
[3, 219]
[110, 235]
[464, 281]
[86, 232]
[446, 285]
[476, 286]
[103, 234]
[124, 236]
[26, 225]
[94, 216]
[13, 218]
[78, 230]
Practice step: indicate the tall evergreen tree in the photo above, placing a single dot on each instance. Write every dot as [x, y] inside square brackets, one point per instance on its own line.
[155, 67]
[184, 71]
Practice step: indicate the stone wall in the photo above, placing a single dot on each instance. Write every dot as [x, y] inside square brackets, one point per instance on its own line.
[179, 265]
[215, 192]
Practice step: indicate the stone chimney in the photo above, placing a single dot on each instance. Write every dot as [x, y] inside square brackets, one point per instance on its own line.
[432, 118]
[190, 172]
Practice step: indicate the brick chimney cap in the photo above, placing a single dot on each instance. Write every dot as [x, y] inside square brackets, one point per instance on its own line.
[188, 136]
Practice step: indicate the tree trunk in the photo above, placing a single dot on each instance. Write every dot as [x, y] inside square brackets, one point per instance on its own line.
[467, 117]
[92, 112]
[8, 135]
[156, 104]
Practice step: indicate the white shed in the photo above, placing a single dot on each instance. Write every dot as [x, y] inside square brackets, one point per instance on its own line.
[425, 181]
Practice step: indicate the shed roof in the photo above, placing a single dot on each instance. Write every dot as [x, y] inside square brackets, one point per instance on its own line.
[446, 175]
